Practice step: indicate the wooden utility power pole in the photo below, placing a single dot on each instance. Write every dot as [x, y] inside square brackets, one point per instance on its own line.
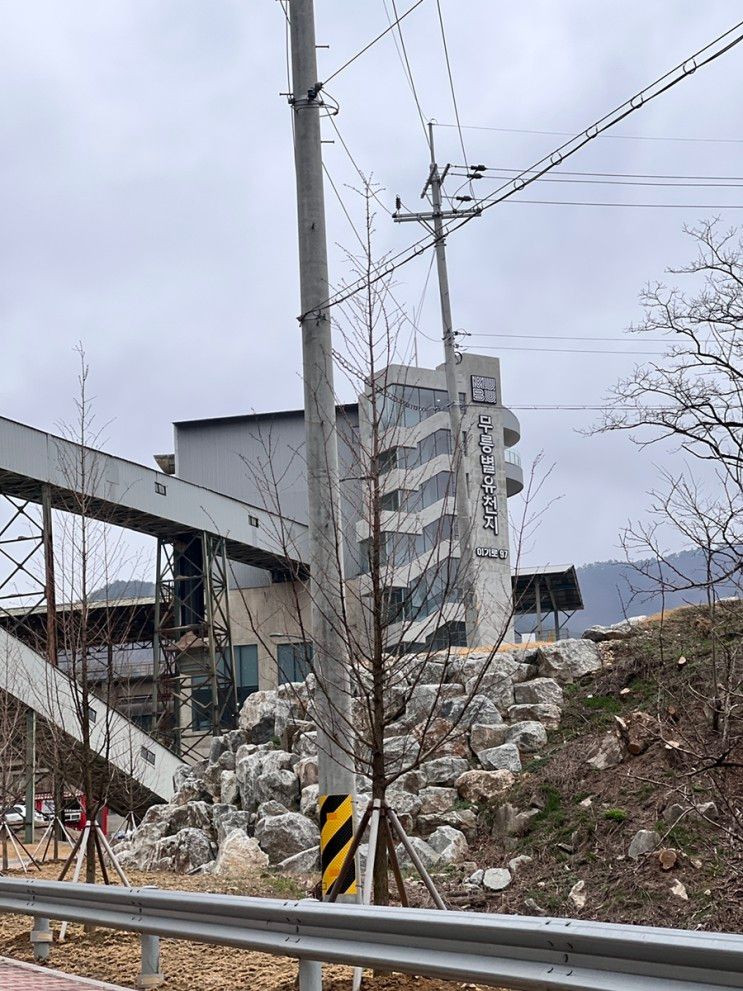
[333, 697]
[464, 519]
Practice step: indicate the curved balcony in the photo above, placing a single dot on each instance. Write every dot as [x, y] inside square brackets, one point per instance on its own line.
[511, 428]
[514, 473]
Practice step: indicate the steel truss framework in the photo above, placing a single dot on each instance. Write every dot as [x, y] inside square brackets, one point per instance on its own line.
[195, 678]
[193, 667]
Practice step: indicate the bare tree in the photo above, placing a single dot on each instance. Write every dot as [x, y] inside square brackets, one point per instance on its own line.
[89, 554]
[395, 617]
[13, 769]
[694, 396]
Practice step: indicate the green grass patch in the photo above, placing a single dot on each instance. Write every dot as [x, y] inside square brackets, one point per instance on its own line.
[616, 815]
[603, 703]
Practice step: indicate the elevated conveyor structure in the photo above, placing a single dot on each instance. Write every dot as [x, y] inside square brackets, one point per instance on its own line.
[143, 768]
[198, 532]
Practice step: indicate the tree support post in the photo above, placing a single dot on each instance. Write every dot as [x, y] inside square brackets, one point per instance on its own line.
[30, 775]
[310, 975]
[41, 939]
[150, 975]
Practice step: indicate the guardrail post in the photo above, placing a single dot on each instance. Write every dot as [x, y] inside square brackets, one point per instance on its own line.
[41, 939]
[150, 975]
[310, 975]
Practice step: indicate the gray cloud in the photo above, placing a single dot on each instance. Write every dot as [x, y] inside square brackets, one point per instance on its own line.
[147, 197]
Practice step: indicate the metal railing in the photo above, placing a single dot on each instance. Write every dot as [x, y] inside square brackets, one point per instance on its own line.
[503, 951]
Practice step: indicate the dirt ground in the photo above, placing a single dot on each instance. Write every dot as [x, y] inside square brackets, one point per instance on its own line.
[114, 956]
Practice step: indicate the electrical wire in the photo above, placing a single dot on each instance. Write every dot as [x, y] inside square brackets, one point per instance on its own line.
[567, 337]
[366, 48]
[516, 347]
[613, 175]
[614, 137]
[567, 149]
[636, 182]
[405, 61]
[400, 308]
[451, 85]
[581, 408]
[357, 167]
[660, 86]
[645, 206]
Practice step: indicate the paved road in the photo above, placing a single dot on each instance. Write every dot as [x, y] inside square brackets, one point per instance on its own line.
[16, 976]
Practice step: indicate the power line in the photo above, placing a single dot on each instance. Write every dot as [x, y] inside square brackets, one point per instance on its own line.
[614, 137]
[581, 408]
[356, 166]
[516, 347]
[613, 175]
[567, 149]
[567, 337]
[373, 42]
[451, 84]
[633, 182]
[647, 206]
[405, 61]
[401, 309]
[661, 85]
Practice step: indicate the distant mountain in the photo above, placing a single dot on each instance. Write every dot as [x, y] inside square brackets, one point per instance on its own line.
[607, 588]
[123, 590]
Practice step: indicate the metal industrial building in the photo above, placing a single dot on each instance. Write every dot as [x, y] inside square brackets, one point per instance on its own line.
[258, 458]
[228, 516]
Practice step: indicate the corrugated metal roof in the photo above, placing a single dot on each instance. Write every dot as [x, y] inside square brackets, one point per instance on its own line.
[558, 588]
[257, 417]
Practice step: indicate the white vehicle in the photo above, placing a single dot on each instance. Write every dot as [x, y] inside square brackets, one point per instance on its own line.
[15, 816]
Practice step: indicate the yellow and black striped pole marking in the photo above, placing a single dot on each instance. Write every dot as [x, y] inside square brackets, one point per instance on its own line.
[336, 837]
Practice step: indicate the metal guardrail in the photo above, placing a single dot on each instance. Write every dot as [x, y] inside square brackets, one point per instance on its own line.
[527, 954]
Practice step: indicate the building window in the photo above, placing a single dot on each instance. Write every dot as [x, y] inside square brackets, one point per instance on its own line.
[246, 670]
[160, 488]
[403, 500]
[437, 487]
[443, 528]
[390, 500]
[201, 703]
[449, 635]
[439, 442]
[147, 755]
[294, 661]
[407, 405]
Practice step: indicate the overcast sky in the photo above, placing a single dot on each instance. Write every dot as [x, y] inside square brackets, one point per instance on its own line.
[147, 207]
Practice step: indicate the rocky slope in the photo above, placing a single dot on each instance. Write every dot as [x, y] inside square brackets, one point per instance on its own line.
[588, 780]
[254, 801]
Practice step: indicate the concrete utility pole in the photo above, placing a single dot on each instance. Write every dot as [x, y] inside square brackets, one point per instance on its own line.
[336, 771]
[464, 519]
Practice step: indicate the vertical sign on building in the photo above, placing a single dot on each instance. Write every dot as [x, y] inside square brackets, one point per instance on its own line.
[485, 392]
[488, 485]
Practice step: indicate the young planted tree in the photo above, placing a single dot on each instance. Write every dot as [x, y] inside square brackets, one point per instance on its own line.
[414, 690]
[89, 555]
[13, 756]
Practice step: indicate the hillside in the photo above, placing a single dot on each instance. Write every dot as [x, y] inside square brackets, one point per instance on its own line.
[635, 751]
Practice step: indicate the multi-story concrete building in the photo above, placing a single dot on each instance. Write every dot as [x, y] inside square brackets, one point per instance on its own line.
[259, 458]
[419, 522]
